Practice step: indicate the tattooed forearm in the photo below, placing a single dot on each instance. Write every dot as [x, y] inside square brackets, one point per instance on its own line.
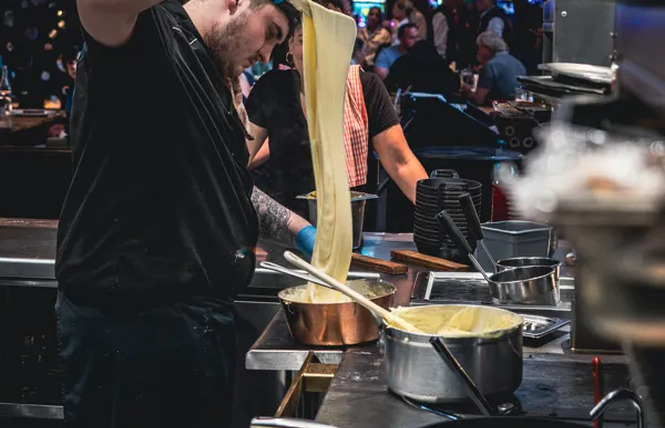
[275, 221]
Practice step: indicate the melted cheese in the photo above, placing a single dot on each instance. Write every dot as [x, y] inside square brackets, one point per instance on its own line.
[328, 39]
[459, 321]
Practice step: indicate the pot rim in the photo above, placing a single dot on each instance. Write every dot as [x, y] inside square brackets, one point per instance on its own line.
[391, 291]
[552, 273]
[541, 261]
[496, 334]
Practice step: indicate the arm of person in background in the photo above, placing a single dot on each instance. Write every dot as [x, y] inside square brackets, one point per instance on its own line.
[276, 222]
[260, 157]
[486, 79]
[382, 65]
[398, 160]
[111, 22]
[440, 29]
[260, 135]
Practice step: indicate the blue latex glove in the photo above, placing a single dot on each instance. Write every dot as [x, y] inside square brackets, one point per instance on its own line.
[305, 240]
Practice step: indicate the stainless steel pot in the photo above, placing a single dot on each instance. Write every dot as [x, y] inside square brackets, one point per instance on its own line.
[358, 202]
[336, 324]
[514, 262]
[532, 285]
[415, 370]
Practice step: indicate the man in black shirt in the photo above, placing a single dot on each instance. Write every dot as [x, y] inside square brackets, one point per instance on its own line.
[157, 230]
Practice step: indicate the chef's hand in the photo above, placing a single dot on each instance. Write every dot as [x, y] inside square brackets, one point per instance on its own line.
[305, 240]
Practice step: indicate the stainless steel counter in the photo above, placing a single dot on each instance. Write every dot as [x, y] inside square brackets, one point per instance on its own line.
[551, 387]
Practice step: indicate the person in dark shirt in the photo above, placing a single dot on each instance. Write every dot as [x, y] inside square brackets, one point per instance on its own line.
[275, 107]
[156, 233]
[422, 69]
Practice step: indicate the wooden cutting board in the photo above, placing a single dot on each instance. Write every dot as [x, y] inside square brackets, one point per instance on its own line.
[424, 260]
[379, 265]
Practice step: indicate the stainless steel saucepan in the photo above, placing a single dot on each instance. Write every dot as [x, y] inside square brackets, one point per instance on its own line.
[476, 232]
[526, 285]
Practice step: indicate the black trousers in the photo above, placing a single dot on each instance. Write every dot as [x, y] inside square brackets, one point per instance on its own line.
[168, 366]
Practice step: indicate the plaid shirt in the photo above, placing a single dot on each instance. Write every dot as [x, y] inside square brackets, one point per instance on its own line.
[356, 129]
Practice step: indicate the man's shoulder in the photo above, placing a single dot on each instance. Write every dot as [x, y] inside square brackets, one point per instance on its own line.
[394, 50]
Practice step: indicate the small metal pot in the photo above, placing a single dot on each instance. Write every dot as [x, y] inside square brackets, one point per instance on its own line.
[532, 285]
[336, 324]
[358, 202]
[515, 262]
[415, 370]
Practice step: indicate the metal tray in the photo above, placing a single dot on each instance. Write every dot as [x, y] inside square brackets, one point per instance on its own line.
[536, 326]
[587, 72]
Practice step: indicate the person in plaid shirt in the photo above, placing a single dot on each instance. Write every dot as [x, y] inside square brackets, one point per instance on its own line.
[276, 109]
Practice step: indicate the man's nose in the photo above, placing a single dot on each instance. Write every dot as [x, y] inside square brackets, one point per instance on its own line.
[264, 53]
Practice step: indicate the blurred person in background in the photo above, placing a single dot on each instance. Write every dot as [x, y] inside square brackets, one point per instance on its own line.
[499, 72]
[422, 69]
[444, 29]
[69, 62]
[404, 13]
[373, 36]
[408, 36]
[276, 108]
[493, 18]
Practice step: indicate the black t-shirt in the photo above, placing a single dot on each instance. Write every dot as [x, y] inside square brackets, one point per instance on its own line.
[274, 104]
[160, 198]
[422, 70]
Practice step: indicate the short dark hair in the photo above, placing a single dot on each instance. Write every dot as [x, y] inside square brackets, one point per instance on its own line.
[402, 30]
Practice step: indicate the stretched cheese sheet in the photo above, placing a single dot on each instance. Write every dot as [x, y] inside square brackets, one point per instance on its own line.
[328, 39]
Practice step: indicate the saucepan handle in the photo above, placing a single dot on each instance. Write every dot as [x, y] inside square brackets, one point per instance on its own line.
[447, 223]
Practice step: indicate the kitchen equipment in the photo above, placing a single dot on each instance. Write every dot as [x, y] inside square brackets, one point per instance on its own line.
[585, 73]
[331, 324]
[444, 173]
[516, 238]
[349, 291]
[385, 266]
[454, 365]
[432, 196]
[358, 202]
[474, 225]
[614, 396]
[514, 262]
[537, 327]
[335, 324]
[578, 31]
[490, 421]
[526, 285]
[510, 263]
[286, 271]
[598, 387]
[414, 369]
[549, 86]
[430, 262]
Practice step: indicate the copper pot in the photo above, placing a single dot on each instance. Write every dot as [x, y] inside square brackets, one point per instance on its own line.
[336, 324]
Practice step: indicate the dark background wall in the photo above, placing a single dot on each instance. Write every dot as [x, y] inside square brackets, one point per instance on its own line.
[34, 35]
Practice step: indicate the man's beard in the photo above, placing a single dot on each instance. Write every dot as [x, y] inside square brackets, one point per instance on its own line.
[224, 42]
